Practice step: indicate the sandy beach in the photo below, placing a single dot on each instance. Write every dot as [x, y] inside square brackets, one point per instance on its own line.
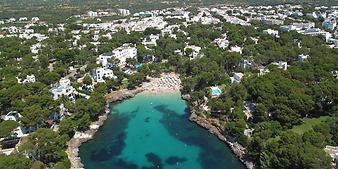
[168, 82]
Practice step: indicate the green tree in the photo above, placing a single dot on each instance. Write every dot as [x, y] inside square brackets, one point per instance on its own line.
[67, 126]
[44, 145]
[14, 162]
[87, 80]
[34, 116]
[6, 127]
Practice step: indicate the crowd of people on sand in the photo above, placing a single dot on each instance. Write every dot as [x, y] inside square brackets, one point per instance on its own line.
[165, 82]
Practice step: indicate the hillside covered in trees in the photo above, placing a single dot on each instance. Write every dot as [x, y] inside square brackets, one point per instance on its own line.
[59, 10]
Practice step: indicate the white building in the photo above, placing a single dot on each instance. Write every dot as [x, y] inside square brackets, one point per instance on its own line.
[99, 74]
[63, 88]
[35, 48]
[23, 19]
[237, 78]
[209, 20]
[126, 51]
[247, 64]
[103, 59]
[263, 71]
[152, 40]
[236, 49]
[124, 12]
[13, 29]
[289, 28]
[281, 65]
[302, 57]
[13, 115]
[222, 42]
[35, 19]
[271, 32]
[195, 51]
[122, 53]
[29, 79]
[92, 14]
[304, 25]
[144, 14]
[11, 20]
[316, 32]
[21, 131]
[273, 21]
[148, 22]
[169, 30]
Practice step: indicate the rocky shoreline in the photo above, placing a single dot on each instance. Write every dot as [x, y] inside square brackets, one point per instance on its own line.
[81, 137]
[236, 148]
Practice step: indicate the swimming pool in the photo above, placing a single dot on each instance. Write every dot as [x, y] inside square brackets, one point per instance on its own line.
[215, 91]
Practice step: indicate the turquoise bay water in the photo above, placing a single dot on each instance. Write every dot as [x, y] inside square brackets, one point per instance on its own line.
[153, 132]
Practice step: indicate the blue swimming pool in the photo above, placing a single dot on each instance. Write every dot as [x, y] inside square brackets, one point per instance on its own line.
[215, 91]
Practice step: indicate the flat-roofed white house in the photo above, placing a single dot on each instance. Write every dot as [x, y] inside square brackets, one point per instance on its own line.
[92, 14]
[103, 59]
[271, 32]
[151, 40]
[122, 53]
[124, 12]
[222, 42]
[281, 65]
[35, 19]
[237, 49]
[23, 19]
[263, 71]
[63, 88]
[195, 51]
[302, 57]
[237, 78]
[29, 79]
[99, 74]
[12, 115]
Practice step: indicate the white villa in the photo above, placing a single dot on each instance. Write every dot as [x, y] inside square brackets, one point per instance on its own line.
[63, 88]
[196, 51]
[222, 42]
[99, 74]
[236, 49]
[237, 78]
[21, 131]
[124, 12]
[35, 19]
[13, 115]
[263, 71]
[281, 65]
[103, 59]
[152, 40]
[302, 57]
[271, 32]
[29, 79]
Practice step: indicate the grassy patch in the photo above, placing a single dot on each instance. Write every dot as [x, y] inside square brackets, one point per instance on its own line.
[308, 124]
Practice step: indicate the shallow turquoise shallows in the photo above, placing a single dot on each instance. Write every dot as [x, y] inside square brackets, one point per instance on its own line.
[153, 132]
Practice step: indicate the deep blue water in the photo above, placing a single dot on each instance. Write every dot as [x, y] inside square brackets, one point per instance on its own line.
[153, 132]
